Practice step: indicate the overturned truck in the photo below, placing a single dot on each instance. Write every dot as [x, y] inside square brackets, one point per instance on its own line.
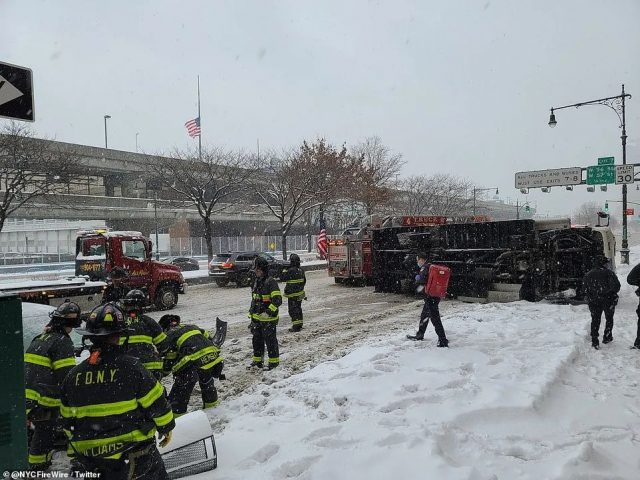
[493, 261]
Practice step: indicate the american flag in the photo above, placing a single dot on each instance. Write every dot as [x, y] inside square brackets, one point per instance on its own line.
[322, 241]
[193, 127]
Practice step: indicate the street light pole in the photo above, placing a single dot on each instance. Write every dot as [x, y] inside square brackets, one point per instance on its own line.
[155, 214]
[617, 104]
[105, 130]
[480, 190]
[137, 141]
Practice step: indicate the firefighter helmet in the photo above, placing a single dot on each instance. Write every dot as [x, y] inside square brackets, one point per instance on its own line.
[165, 320]
[67, 314]
[261, 264]
[118, 272]
[134, 300]
[104, 320]
[294, 260]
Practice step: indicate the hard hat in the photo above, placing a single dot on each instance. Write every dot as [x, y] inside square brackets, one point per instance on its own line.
[67, 314]
[165, 320]
[104, 320]
[135, 299]
[262, 264]
[294, 259]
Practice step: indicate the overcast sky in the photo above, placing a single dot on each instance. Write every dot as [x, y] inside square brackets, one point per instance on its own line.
[462, 87]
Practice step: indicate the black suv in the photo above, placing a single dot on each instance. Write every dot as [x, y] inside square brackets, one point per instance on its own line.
[237, 267]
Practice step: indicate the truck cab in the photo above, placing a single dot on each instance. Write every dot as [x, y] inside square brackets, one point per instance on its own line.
[98, 252]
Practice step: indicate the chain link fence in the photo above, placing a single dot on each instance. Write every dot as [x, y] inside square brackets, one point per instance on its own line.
[196, 246]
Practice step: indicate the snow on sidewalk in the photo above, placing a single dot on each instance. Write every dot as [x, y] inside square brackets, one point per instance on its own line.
[519, 395]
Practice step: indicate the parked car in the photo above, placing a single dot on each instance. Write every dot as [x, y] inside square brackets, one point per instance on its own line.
[183, 263]
[237, 267]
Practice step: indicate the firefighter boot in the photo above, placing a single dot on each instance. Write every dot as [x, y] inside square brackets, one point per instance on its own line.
[256, 364]
[607, 337]
[595, 343]
[417, 336]
[443, 342]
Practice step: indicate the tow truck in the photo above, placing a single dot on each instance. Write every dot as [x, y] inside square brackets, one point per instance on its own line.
[98, 252]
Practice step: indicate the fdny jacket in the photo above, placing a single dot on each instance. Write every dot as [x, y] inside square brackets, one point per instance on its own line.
[147, 336]
[295, 280]
[188, 345]
[265, 300]
[47, 361]
[112, 405]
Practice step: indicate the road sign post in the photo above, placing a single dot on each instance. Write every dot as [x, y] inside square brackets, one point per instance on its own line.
[16, 92]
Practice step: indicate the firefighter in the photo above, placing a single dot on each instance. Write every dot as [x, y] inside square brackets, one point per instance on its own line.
[116, 287]
[430, 309]
[601, 287]
[265, 300]
[634, 279]
[147, 335]
[192, 357]
[295, 281]
[112, 407]
[48, 359]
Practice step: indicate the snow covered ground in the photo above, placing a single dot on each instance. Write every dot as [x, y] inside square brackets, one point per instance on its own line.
[519, 395]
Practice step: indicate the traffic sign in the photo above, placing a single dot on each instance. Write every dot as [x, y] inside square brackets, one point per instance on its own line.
[16, 92]
[606, 161]
[624, 174]
[601, 174]
[549, 178]
[629, 212]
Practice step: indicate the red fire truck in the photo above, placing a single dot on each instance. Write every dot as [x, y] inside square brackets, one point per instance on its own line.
[350, 257]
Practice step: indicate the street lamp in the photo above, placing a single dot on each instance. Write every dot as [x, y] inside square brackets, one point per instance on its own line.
[481, 190]
[155, 214]
[105, 130]
[617, 104]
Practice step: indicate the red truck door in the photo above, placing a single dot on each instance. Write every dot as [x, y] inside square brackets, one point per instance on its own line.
[133, 254]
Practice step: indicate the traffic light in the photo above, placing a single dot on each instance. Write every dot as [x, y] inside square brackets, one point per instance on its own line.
[526, 208]
[606, 206]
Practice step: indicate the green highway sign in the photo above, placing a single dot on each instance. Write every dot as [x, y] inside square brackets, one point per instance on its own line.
[601, 174]
[606, 161]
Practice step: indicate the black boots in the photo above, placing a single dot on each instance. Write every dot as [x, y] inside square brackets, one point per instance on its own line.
[415, 337]
[295, 328]
[607, 338]
[443, 342]
[595, 343]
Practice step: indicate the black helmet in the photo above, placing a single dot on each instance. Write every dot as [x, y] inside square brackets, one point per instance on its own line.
[118, 272]
[165, 320]
[104, 320]
[134, 300]
[294, 260]
[262, 264]
[67, 315]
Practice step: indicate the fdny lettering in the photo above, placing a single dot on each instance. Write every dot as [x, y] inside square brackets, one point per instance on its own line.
[94, 378]
[103, 450]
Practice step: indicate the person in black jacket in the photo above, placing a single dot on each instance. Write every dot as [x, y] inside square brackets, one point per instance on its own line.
[113, 407]
[430, 309]
[48, 360]
[634, 279]
[147, 337]
[265, 300]
[295, 281]
[192, 357]
[601, 287]
[116, 286]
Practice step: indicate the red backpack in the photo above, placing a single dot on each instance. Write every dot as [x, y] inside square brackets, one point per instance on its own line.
[438, 281]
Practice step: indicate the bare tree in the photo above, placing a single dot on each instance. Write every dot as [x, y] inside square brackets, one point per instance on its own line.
[204, 182]
[439, 194]
[29, 168]
[298, 181]
[378, 168]
[586, 214]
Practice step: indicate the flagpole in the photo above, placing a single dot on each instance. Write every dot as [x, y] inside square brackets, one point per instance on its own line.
[200, 120]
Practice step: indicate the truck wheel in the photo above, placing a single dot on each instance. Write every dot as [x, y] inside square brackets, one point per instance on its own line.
[166, 298]
[222, 282]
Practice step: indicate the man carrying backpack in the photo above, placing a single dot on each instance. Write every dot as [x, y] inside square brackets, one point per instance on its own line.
[430, 309]
[601, 287]
[634, 279]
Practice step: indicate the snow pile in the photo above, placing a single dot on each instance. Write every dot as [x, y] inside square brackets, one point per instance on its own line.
[519, 395]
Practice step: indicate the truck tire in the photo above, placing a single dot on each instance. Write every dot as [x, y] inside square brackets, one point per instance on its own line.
[166, 298]
[222, 282]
